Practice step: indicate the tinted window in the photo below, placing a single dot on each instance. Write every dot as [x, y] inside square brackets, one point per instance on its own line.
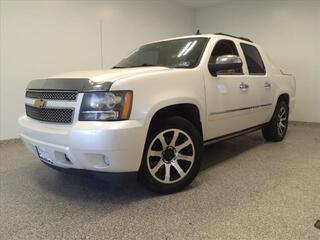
[225, 47]
[253, 58]
[179, 53]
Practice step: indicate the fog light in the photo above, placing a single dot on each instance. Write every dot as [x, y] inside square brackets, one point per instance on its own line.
[97, 160]
[106, 161]
[67, 159]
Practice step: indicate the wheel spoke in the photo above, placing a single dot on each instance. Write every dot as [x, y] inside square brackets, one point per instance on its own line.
[174, 138]
[282, 125]
[163, 141]
[280, 129]
[183, 145]
[283, 119]
[176, 165]
[281, 112]
[153, 153]
[157, 167]
[167, 173]
[185, 157]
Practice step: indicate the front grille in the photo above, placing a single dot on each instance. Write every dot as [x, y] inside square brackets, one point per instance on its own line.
[55, 115]
[52, 95]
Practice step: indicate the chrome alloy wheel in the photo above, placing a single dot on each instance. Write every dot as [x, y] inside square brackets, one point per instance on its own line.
[282, 121]
[170, 156]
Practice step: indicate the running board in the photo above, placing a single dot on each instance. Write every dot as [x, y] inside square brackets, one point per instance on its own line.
[232, 135]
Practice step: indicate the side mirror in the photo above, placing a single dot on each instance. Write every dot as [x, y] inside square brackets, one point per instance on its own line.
[225, 62]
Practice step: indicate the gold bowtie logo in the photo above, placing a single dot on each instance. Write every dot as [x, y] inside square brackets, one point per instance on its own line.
[39, 103]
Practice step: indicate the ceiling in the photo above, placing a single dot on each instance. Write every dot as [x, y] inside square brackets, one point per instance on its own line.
[200, 3]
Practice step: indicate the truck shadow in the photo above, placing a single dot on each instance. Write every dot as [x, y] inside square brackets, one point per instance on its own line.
[126, 189]
[225, 151]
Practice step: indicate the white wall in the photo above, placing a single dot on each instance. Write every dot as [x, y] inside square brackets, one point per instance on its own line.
[289, 30]
[42, 38]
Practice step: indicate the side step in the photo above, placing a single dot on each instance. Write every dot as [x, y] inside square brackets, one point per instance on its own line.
[232, 135]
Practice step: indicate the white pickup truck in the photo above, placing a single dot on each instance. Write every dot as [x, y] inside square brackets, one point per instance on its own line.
[153, 112]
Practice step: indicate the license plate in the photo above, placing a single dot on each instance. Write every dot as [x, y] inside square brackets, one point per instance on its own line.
[44, 155]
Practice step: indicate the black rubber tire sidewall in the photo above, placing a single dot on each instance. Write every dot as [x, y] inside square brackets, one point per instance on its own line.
[162, 125]
[270, 132]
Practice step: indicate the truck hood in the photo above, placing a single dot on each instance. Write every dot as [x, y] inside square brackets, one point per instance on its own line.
[110, 75]
[86, 81]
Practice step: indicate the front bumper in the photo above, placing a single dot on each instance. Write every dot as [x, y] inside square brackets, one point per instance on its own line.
[98, 146]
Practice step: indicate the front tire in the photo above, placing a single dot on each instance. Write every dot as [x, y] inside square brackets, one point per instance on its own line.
[276, 129]
[172, 155]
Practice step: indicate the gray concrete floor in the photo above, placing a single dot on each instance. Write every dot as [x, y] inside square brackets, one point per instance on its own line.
[247, 189]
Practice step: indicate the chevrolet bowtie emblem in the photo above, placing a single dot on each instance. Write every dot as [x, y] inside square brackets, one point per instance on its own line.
[39, 103]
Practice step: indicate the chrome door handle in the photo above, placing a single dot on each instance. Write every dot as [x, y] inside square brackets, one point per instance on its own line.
[267, 85]
[243, 86]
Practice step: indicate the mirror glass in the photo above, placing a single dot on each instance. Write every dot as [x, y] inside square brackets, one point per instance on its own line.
[226, 64]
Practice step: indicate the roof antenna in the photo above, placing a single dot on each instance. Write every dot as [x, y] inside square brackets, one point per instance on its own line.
[198, 32]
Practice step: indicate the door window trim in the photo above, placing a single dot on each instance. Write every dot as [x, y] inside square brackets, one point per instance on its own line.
[264, 66]
[237, 52]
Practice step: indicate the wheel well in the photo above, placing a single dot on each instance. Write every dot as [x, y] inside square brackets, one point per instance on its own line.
[186, 110]
[284, 97]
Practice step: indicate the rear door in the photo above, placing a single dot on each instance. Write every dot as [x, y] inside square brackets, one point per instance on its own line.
[229, 96]
[261, 83]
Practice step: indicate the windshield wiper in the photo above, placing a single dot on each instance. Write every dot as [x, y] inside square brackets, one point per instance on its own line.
[147, 65]
[118, 67]
[142, 65]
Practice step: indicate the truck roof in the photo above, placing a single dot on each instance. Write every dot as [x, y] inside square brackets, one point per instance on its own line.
[210, 35]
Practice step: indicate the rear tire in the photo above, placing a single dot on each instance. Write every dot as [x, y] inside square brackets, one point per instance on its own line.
[172, 155]
[276, 129]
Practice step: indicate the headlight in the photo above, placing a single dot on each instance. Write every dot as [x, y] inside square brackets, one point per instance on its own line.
[106, 106]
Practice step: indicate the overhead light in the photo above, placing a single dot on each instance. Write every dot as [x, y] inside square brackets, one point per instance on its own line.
[190, 48]
[184, 49]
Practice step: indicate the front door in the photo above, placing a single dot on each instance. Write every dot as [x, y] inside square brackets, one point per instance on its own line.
[228, 96]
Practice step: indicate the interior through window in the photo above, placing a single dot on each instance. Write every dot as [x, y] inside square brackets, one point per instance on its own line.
[225, 47]
[254, 60]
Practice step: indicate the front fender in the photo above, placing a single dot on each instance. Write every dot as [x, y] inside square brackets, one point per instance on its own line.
[174, 101]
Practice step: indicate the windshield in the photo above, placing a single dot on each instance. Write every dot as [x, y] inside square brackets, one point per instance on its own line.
[179, 53]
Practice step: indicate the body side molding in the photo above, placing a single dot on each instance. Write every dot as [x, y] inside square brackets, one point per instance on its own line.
[240, 109]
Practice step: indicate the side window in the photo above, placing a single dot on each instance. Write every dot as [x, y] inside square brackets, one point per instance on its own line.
[253, 58]
[225, 47]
